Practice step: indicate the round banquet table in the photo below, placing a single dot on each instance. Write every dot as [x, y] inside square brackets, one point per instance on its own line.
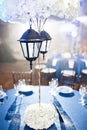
[70, 105]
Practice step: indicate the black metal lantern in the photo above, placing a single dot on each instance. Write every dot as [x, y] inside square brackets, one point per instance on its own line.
[30, 43]
[46, 42]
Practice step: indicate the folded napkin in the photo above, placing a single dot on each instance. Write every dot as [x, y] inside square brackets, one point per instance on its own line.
[67, 94]
[26, 93]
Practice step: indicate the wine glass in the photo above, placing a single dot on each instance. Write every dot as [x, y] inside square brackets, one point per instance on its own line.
[53, 84]
[82, 91]
[16, 88]
[55, 81]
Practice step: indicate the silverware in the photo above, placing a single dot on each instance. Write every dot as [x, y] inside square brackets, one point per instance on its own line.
[65, 120]
[60, 117]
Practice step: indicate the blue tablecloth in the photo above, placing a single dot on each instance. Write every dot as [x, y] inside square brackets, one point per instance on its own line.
[70, 104]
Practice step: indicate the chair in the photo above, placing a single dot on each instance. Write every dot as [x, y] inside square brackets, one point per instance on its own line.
[68, 73]
[6, 80]
[20, 76]
[47, 74]
[1, 88]
[83, 77]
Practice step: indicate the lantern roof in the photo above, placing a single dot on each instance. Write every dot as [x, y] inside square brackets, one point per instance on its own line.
[30, 36]
[44, 35]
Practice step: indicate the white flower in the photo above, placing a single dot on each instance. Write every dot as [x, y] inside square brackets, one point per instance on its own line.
[21, 10]
[39, 116]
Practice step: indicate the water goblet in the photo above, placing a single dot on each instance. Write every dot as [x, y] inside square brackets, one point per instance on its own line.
[55, 81]
[16, 87]
[53, 84]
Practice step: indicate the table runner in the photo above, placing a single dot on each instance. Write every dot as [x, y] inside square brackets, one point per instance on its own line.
[68, 124]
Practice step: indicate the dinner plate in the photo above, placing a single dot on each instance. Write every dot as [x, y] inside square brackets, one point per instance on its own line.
[2, 94]
[25, 88]
[65, 90]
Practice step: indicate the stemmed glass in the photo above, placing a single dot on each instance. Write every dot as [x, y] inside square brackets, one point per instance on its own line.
[53, 85]
[16, 88]
[82, 91]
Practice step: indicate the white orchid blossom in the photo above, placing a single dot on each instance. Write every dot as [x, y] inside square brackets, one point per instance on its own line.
[39, 10]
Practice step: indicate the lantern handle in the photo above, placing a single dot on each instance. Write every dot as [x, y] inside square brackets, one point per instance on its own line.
[30, 23]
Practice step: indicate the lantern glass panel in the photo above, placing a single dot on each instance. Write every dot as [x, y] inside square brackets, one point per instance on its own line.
[48, 44]
[33, 49]
[45, 46]
[24, 49]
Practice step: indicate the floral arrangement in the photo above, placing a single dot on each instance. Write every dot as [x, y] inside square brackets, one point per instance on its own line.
[39, 10]
[39, 116]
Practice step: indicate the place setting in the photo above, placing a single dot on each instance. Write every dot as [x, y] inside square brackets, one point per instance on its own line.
[23, 89]
[65, 91]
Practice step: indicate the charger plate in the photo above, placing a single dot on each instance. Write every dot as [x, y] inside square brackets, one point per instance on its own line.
[64, 90]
